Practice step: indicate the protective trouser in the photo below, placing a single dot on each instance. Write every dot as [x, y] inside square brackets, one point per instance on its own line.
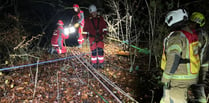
[80, 36]
[97, 55]
[174, 95]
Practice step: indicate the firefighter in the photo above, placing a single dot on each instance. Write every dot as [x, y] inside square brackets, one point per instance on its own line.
[180, 59]
[96, 28]
[79, 24]
[58, 39]
[197, 22]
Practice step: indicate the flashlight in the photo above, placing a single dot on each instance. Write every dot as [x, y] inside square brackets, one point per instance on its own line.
[69, 30]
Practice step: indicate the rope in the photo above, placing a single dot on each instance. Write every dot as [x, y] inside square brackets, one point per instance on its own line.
[140, 50]
[40, 63]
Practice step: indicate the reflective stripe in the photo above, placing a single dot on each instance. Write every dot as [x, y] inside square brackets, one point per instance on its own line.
[81, 40]
[101, 58]
[204, 65]
[193, 76]
[85, 32]
[60, 51]
[174, 47]
[55, 45]
[93, 59]
[104, 29]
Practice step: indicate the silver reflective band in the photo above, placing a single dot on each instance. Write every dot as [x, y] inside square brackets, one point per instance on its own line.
[204, 65]
[101, 58]
[54, 45]
[60, 51]
[193, 76]
[81, 40]
[85, 32]
[104, 29]
[93, 59]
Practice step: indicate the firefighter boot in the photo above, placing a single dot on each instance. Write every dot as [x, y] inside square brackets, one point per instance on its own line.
[94, 65]
[101, 65]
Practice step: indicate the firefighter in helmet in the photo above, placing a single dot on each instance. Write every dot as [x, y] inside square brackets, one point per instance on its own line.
[180, 60]
[197, 21]
[96, 29]
[79, 23]
[58, 39]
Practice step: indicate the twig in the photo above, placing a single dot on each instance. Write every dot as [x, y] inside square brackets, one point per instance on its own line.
[31, 72]
[58, 94]
[36, 79]
[152, 95]
[24, 44]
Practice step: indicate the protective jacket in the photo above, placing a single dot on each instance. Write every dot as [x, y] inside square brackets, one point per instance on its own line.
[96, 28]
[58, 39]
[186, 46]
[80, 29]
[204, 58]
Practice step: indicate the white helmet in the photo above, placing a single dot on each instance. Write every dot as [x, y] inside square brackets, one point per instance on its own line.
[92, 8]
[176, 16]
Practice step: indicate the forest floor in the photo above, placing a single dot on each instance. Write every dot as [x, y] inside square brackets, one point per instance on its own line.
[60, 82]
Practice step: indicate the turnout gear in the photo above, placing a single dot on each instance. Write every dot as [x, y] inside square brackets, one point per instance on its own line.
[96, 28]
[58, 39]
[79, 24]
[198, 89]
[189, 61]
[198, 18]
[92, 8]
[180, 60]
[176, 16]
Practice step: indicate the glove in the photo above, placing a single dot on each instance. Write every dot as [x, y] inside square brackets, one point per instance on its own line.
[76, 25]
[167, 85]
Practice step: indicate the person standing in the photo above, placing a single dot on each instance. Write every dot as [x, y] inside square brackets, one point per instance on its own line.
[197, 21]
[180, 60]
[96, 28]
[58, 39]
[79, 23]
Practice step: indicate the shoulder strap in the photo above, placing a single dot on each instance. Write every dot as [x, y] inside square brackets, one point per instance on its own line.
[96, 28]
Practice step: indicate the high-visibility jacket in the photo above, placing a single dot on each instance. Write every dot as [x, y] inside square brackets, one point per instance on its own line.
[58, 39]
[187, 46]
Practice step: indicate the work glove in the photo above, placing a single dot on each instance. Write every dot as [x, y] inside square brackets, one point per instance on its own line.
[76, 25]
[167, 85]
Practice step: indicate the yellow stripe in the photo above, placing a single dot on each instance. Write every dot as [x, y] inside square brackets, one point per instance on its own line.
[174, 47]
[193, 76]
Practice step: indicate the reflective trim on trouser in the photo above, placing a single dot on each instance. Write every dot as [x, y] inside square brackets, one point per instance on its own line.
[100, 55]
[80, 41]
[94, 56]
[174, 95]
[60, 51]
[192, 76]
[93, 59]
[101, 59]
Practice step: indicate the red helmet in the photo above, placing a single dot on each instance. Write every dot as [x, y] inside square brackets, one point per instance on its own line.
[75, 5]
[60, 22]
